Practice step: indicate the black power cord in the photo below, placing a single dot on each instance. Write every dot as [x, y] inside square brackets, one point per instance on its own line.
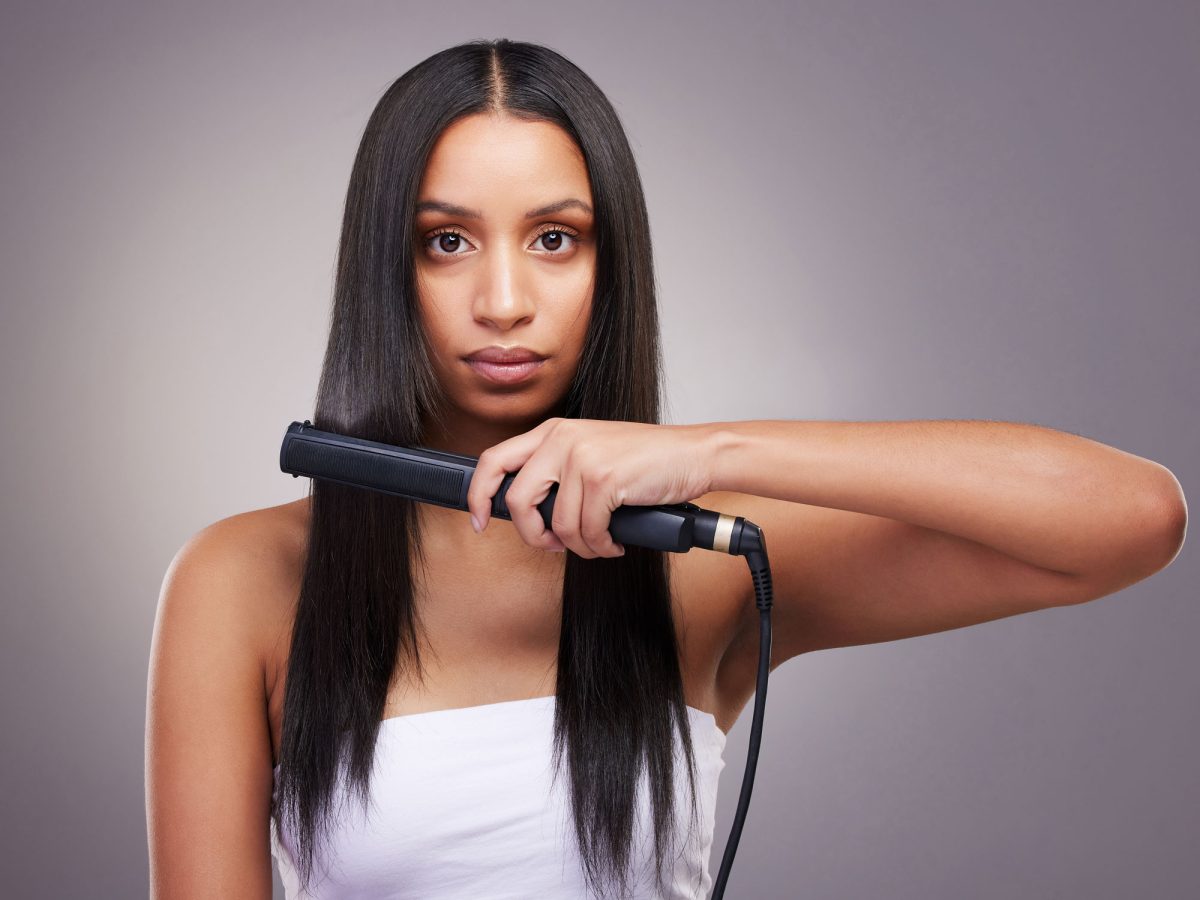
[751, 543]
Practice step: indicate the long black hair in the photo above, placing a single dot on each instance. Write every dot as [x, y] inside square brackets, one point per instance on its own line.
[619, 691]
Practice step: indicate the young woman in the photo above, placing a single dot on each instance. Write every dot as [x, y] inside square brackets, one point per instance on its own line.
[399, 703]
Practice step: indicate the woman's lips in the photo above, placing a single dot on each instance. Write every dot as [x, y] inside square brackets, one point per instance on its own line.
[505, 373]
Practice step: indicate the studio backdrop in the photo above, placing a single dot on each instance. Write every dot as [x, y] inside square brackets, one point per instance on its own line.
[874, 210]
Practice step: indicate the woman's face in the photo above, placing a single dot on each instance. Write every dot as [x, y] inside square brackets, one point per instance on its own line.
[505, 257]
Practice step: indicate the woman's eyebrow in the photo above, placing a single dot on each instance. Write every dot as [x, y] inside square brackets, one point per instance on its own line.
[558, 207]
[452, 209]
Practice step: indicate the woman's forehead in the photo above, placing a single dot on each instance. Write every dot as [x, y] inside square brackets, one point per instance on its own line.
[500, 161]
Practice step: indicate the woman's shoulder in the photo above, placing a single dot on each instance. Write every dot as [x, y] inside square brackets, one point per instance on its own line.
[247, 568]
[224, 601]
[257, 548]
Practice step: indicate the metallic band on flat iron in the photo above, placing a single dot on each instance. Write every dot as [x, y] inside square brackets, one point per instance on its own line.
[723, 533]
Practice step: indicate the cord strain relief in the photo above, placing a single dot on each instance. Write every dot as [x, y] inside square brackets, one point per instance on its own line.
[764, 593]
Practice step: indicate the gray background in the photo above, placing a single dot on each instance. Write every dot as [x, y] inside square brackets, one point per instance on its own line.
[874, 210]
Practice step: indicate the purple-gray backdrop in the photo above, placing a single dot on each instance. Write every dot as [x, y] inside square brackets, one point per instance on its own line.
[917, 210]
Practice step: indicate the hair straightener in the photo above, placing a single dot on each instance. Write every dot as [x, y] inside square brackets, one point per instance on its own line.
[440, 478]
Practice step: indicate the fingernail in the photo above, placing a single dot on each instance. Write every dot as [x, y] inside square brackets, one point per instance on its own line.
[475, 523]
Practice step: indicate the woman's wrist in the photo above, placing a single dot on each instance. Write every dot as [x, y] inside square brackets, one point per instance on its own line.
[724, 444]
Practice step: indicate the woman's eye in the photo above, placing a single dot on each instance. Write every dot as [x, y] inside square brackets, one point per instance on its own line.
[446, 243]
[552, 240]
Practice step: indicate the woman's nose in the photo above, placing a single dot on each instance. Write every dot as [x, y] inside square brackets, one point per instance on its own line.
[504, 297]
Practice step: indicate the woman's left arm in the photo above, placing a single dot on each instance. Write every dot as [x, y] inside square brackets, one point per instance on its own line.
[882, 530]
[875, 531]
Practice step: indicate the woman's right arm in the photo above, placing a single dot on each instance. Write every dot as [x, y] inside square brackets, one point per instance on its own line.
[208, 741]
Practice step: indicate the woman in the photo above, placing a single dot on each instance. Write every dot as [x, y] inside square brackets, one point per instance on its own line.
[511, 721]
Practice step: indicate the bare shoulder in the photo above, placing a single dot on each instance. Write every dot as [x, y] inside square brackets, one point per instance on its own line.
[257, 541]
[250, 563]
[229, 595]
[209, 776]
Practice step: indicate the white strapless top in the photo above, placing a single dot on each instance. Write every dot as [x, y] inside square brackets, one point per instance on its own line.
[462, 807]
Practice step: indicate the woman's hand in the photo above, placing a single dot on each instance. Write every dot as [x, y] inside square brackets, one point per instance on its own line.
[598, 465]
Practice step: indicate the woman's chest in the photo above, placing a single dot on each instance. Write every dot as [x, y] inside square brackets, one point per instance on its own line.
[489, 634]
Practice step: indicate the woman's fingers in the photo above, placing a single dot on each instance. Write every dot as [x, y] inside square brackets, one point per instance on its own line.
[496, 462]
[584, 500]
[527, 490]
[596, 517]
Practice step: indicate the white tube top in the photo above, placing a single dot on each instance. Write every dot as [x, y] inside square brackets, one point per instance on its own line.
[462, 807]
